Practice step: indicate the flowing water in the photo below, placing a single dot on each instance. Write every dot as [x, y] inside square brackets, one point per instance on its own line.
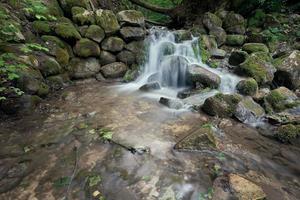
[57, 153]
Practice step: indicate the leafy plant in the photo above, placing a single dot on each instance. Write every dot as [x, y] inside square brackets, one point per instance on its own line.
[38, 10]
[29, 47]
[94, 180]
[106, 134]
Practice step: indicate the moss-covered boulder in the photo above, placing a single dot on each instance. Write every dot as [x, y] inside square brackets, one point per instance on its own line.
[208, 42]
[67, 5]
[237, 57]
[107, 20]
[235, 40]
[247, 87]
[221, 105]
[67, 31]
[131, 18]
[220, 35]
[84, 68]
[95, 33]
[288, 133]
[211, 21]
[288, 70]
[132, 33]
[107, 58]
[87, 48]
[257, 67]
[281, 99]
[48, 66]
[57, 82]
[113, 44]
[182, 35]
[82, 16]
[255, 47]
[114, 70]
[234, 23]
[42, 27]
[126, 57]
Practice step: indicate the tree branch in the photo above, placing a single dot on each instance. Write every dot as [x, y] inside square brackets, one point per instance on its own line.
[152, 7]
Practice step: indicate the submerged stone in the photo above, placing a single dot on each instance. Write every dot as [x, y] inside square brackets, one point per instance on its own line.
[171, 103]
[150, 86]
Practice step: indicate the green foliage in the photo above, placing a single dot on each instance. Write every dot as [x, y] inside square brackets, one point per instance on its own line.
[9, 28]
[29, 47]
[37, 9]
[62, 182]
[288, 133]
[106, 134]
[208, 195]
[94, 180]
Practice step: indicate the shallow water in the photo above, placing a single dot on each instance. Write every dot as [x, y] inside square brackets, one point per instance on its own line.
[140, 162]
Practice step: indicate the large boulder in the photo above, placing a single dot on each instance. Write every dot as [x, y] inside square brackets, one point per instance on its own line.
[132, 33]
[281, 99]
[220, 35]
[237, 57]
[114, 70]
[107, 58]
[235, 40]
[199, 75]
[95, 33]
[248, 111]
[211, 21]
[288, 70]
[126, 57]
[221, 105]
[131, 18]
[113, 44]
[87, 48]
[67, 5]
[108, 21]
[247, 87]
[67, 31]
[82, 16]
[235, 23]
[257, 67]
[255, 47]
[48, 66]
[84, 68]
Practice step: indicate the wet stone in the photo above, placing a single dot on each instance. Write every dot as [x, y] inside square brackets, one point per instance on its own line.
[150, 86]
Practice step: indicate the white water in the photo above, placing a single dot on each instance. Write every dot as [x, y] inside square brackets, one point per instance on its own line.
[167, 63]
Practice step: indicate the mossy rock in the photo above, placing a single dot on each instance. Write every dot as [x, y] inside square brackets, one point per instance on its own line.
[58, 82]
[281, 99]
[48, 66]
[235, 40]
[130, 75]
[221, 105]
[211, 21]
[126, 57]
[84, 68]
[247, 87]
[42, 27]
[67, 5]
[95, 33]
[67, 31]
[62, 56]
[107, 58]
[108, 21]
[237, 57]
[234, 23]
[82, 16]
[255, 47]
[131, 17]
[257, 68]
[113, 44]
[288, 133]
[87, 48]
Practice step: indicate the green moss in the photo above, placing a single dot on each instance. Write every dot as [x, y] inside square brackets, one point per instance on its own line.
[130, 75]
[235, 40]
[275, 99]
[62, 56]
[82, 16]
[107, 20]
[87, 48]
[95, 33]
[288, 133]
[42, 27]
[257, 20]
[247, 87]
[255, 47]
[43, 90]
[67, 31]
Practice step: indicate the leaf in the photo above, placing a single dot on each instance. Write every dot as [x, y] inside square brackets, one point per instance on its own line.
[94, 180]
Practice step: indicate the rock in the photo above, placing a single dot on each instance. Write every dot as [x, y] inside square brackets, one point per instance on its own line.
[261, 94]
[82, 16]
[245, 189]
[135, 46]
[209, 42]
[113, 44]
[87, 48]
[26, 103]
[48, 66]
[254, 37]
[67, 5]
[255, 47]
[132, 33]
[114, 70]
[221, 105]
[130, 75]
[235, 40]
[199, 140]
[237, 57]
[281, 99]
[131, 18]
[67, 31]
[171, 103]
[211, 21]
[220, 35]
[198, 74]
[248, 111]
[289, 116]
[126, 57]
[150, 86]
[247, 87]
[107, 58]
[234, 23]
[182, 35]
[108, 21]
[288, 70]
[281, 49]
[288, 133]
[42, 27]
[218, 53]
[58, 82]
[100, 77]
[258, 68]
[84, 68]
[95, 33]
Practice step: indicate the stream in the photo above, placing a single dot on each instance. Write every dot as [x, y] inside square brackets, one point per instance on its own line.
[58, 152]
